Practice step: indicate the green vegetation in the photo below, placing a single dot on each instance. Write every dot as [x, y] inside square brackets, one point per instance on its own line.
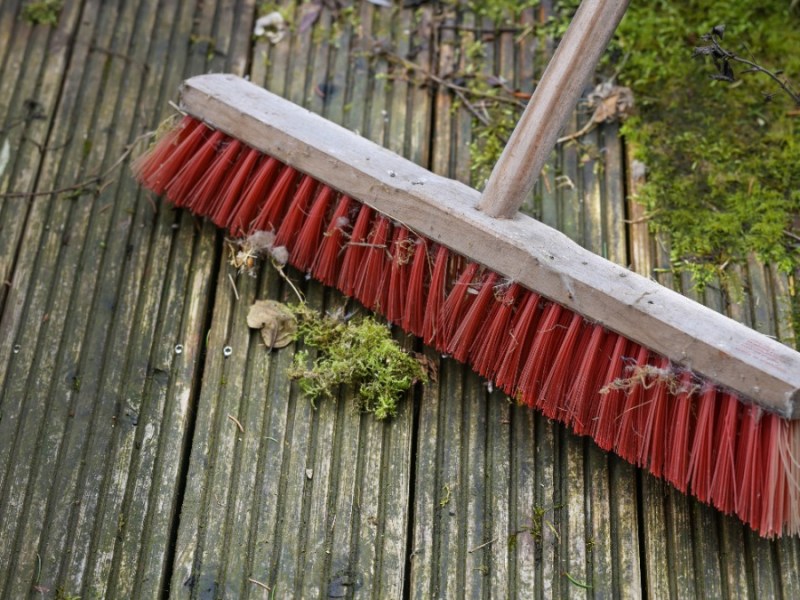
[359, 352]
[723, 163]
[43, 12]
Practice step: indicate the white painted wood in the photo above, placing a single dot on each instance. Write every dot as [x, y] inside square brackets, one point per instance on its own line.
[521, 248]
[552, 103]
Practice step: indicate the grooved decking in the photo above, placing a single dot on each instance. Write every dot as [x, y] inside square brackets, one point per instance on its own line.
[123, 471]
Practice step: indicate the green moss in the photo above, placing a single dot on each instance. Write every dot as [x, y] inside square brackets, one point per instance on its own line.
[723, 165]
[360, 353]
[42, 12]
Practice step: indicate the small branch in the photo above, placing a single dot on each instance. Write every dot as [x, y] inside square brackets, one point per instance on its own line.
[95, 180]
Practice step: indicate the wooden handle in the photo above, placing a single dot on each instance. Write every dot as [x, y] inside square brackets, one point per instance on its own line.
[551, 104]
[521, 249]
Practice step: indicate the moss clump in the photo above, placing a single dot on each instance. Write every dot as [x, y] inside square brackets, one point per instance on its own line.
[361, 353]
[43, 12]
[723, 163]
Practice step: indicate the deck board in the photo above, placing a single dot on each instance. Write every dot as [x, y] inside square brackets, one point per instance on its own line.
[129, 468]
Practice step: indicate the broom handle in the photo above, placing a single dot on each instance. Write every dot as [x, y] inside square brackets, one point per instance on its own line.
[552, 102]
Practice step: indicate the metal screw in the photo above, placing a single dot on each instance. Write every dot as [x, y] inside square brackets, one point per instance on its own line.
[179, 349]
[17, 348]
[227, 351]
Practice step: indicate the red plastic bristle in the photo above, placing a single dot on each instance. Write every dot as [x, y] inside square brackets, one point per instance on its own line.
[703, 453]
[298, 210]
[612, 395]
[552, 398]
[232, 194]
[676, 469]
[542, 353]
[310, 236]
[653, 450]
[178, 189]
[396, 286]
[773, 506]
[414, 311]
[374, 263]
[462, 340]
[749, 465]
[455, 306]
[518, 343]
[436, 296]
[724, 487]
[326, 264]
[354, 251]
[244, 211]
[488, 344]
[159, 173]
[204, 198]
[630, 426]
[146, 165]
[271, 213]
[583, 396]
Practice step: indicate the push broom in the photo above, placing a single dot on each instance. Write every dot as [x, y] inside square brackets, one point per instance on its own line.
[670, 385]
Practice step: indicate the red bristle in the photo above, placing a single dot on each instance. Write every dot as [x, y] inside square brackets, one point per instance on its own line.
[244, 212]
[455, 306]
[604, 429]
[189, 141]
[518, 343]
[271, 213]
[703, 452]
[653, 450]
[775, 480]
[194, 169]
[146, 165]
[233, 193]
[397, 288]
[465, 334]
[552, 398]
[436, 297]
[326, 263]
[724, 488]
[676, 469]
[204, 197]
[591, 366]
[629, 427]
[310, 236]
[296, 215]
[488, 344]
[374, 264]
[749, 465]
[354, 252]
[414, 312]
[542, 353]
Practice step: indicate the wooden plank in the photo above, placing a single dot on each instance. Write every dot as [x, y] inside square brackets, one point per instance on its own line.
[524, 250]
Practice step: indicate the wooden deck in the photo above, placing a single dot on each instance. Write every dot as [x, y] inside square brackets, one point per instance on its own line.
[123, 472]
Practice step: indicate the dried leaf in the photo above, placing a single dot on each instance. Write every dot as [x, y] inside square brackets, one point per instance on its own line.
[276, 321]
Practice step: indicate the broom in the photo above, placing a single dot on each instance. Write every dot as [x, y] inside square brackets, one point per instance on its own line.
[669, 385]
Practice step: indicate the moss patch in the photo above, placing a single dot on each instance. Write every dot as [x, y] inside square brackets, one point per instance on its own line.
[43, 12]
[360, 353]
[723, 162]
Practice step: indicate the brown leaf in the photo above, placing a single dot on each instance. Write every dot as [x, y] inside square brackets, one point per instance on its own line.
[276, 321]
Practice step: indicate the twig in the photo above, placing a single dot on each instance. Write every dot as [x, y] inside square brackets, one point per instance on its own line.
[483, 545]
[238, 424]
[258, 583]
[412, 66]
[97, 180]
[233, 285]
